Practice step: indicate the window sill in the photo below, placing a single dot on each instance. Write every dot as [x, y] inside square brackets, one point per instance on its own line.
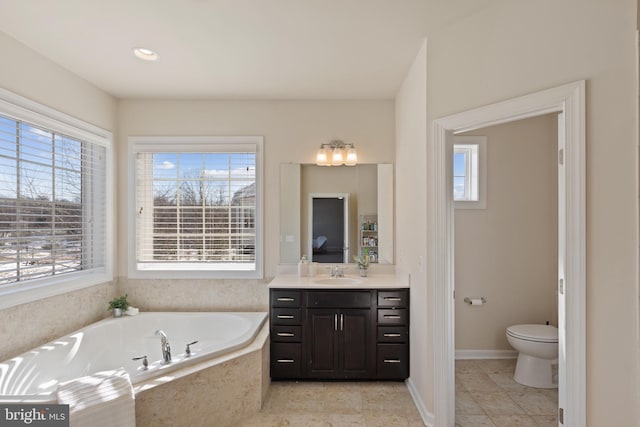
[460, 204]
[194, 271]
[35, 290]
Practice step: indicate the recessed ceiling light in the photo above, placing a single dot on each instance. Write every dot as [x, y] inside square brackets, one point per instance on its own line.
[145, 54]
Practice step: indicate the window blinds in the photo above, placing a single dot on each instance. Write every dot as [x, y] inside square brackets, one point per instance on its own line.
[197, 207]
[52, 203]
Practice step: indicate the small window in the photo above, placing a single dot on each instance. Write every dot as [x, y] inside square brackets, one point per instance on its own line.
[469, 172]
[197, 208]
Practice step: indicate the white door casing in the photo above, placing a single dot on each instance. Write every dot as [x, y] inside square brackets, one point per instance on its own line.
[569, 101]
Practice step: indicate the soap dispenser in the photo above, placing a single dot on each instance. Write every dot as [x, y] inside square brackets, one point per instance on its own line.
[303, 266]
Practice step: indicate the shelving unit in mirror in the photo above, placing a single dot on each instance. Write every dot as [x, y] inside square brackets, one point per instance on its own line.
[368, 237]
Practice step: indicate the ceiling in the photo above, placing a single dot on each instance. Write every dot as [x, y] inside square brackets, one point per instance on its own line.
[227, 49]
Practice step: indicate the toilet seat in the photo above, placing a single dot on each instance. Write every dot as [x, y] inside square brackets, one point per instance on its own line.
[534, 333]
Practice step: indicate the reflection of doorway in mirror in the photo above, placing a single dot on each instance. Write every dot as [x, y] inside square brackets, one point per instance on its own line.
[329, 232]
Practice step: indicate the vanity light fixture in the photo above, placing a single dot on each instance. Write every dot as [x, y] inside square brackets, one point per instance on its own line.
[145, 54]
[336, 153]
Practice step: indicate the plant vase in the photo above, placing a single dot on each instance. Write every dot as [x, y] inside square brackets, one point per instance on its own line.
[363, 271]
[117, 312]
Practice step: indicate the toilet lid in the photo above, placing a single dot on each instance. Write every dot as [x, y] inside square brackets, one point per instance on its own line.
[538, 333]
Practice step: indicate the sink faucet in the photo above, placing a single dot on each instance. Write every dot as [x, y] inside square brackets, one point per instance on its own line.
[164, 344]
[336, 271]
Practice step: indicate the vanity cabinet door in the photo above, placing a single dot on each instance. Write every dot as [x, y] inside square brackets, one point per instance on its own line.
[340, 344]
[357, 350]
[322, 343]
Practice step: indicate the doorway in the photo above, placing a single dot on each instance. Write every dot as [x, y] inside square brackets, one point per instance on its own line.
[506, 262]
[569, 102]
[329, 227]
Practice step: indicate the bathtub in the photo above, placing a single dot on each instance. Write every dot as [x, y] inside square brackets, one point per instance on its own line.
[112, 343]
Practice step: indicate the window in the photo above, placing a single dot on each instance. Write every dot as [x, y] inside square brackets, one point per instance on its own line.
[198, 207]
[53, 198]
[469, 172]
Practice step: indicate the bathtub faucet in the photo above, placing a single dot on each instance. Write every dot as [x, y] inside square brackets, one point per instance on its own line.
[164, 344]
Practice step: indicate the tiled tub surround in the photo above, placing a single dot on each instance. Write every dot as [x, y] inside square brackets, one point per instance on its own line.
[487, 396]
[196, 294]
[221, 391]
[30, 325]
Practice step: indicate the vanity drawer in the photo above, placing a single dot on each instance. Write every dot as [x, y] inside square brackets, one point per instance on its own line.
[285, 360]
[392, 316]
[286, 298]
[285, 316]
[285, 334]
[337, 299]
[393, 334]
[398, 298]
[392, 361]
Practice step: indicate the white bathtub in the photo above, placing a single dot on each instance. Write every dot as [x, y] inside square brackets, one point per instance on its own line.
[112, 343]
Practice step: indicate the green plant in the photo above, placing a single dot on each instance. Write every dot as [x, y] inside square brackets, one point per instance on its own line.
[361, 261]
[119, 302]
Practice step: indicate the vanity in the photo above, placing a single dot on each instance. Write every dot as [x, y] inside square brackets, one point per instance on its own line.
[343, 328]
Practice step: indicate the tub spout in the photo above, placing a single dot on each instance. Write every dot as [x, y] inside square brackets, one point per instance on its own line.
[164, 344]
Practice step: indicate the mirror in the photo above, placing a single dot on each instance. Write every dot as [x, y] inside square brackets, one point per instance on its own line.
[369, 218]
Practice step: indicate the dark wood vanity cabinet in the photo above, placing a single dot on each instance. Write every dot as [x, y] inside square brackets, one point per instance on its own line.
[392, 335]
[339, 334]
[286, 333]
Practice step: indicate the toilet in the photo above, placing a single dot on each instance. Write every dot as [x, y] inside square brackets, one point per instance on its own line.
[537, 347]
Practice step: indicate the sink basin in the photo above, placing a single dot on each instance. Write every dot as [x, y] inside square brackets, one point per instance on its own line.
[338, 281]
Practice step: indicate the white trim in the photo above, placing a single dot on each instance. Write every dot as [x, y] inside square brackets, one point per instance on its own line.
[195, 144]
[485, 354]
[23, 109]
[427, 417]
[570, 100]
[637, 180]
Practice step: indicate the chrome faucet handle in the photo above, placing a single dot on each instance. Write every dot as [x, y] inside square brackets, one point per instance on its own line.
[187, 351]
[145, 363]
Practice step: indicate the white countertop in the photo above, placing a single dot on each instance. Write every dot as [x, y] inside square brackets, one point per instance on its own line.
[349, 281]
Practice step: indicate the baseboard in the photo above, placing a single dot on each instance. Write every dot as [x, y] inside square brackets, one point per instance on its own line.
[486, 354]
[427, 417]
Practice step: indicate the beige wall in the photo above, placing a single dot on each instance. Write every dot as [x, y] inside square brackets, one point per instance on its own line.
[29, 74]
[508, 252]
[293, 131]
[507, 49]
[411, 214]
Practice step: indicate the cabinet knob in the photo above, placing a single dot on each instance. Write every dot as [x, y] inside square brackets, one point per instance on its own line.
[285, 361]
[392, 335]
[391, 361]
[285, 334]
[286, 299]
[284, 316]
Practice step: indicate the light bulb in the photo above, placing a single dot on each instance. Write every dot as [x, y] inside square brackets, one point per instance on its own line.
[321, 157]
[336, 158]
[352, 157]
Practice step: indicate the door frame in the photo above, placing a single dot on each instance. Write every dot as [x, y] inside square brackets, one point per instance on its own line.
[569, 101]
[345, 219]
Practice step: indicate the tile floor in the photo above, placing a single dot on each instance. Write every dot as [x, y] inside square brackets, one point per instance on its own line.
[487, 395]
[337, 404]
